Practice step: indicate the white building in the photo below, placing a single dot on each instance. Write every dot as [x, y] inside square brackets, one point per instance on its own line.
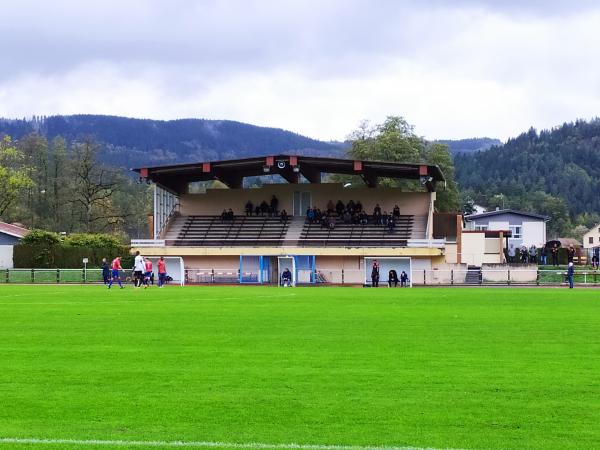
[526, 228]
[10, 235]
[591, 239]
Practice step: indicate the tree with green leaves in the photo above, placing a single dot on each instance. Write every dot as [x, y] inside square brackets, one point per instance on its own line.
[395, 140]
[15, 175]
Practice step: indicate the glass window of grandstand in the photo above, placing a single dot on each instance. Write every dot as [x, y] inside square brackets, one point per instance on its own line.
[480, 227]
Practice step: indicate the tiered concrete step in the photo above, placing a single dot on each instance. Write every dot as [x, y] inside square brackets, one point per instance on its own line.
[419, 227]
[357, 235]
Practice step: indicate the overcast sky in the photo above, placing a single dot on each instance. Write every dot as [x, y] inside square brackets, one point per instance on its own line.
[453, 68]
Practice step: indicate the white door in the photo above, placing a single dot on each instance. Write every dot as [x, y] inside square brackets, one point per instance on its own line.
[302, 201]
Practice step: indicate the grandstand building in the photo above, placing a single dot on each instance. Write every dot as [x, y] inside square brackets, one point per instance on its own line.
[256, 247]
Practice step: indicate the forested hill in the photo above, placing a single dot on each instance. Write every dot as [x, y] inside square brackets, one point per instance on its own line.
[469, 145]
[563, 162]
[131, 142]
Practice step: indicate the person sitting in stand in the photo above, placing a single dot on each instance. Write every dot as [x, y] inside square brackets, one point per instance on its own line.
[347, 217]
[230, 215]
[330, 207]
[384, 218]
[283, 216]
[249, 208]
[391, 224]
[396, 212]
[310, 215]
[358, 206]
[331, 222]
[350, 206]
[257, 210]
[224, 215]
[392, 278]
[363, 218]
[286, 278]
[403, 279]
[274, 205]
[339, 208]
[318, 214]
[264, 208]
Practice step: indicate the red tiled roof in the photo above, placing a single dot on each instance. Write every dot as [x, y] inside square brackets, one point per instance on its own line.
[13, 230]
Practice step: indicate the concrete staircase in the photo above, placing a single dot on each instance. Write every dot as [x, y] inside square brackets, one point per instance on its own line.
[174, 227]
[419, 227]
[294, 230]
[473, 275]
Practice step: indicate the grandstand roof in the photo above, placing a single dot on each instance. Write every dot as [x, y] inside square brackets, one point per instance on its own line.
[232, 172]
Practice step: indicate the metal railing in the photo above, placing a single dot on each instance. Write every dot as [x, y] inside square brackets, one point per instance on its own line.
[509, 276]
[49, 276]
[317, 242]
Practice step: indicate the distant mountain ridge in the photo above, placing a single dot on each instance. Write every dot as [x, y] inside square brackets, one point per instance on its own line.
[129, 142]
[470, 145]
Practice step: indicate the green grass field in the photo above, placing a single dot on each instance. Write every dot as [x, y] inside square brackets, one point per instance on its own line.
[440, 368]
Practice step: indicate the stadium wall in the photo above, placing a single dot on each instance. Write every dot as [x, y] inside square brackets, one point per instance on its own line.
[214, 200]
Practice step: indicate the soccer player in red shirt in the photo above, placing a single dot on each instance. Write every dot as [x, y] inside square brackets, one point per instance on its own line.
[162, 271]
[148, 272]
[116, 266]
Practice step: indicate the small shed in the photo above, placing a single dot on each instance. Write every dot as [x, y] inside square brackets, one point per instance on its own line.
[10, 235]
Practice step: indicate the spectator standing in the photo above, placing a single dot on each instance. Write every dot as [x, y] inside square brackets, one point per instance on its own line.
[105, 271]
[375, 274]
[511, 253]
[264, 208]
[274, 205]
[339, 207]
[524, 254]
[249, 208]
[554, 254]
[595, 261]
[571, 254]
[571, 274]
[396, 212]
[533, 254]
[544, 255]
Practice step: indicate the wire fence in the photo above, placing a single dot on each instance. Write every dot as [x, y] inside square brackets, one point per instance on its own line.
[509, 276]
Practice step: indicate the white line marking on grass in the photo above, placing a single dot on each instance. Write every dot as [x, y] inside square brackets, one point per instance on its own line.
[206, 444]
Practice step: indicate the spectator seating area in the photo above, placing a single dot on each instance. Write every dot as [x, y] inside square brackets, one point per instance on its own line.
[237, 231]
[344, 234]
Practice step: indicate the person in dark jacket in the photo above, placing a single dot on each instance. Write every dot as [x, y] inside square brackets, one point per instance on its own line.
[403, 279]
[392, 278]
[375, 274]
[571, 274]
[554, 254]
[105, 271]
[571, 253]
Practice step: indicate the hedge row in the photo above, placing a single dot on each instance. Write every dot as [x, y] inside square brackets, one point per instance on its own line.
[66, 256]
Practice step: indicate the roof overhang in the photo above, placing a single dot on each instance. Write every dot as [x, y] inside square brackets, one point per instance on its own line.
[175, 178]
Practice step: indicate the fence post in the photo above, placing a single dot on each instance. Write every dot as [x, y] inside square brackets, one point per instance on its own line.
[7, 275]
[342, 276]
[83, 275]
[33, 275]
[58, 275]
[537, 276]
[508, 276]
[451, 276]
[212, 275]
[424, 276]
